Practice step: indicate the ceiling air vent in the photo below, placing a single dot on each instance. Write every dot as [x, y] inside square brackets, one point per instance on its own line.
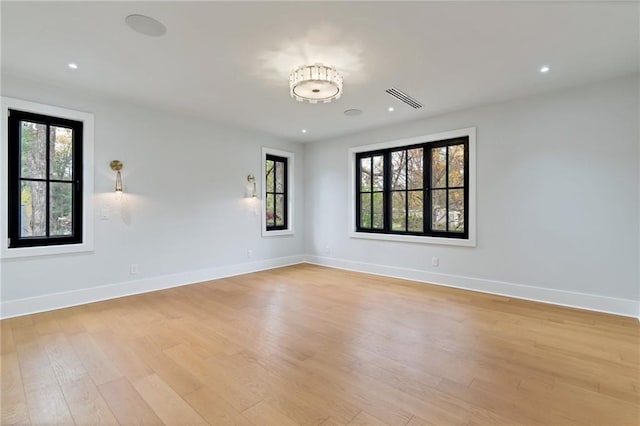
[399, 94]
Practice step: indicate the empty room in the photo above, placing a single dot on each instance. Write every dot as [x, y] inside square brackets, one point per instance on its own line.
[320, 213]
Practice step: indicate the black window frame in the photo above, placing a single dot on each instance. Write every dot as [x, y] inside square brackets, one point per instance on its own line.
[427, 199]
[284, 193]
[14, 180]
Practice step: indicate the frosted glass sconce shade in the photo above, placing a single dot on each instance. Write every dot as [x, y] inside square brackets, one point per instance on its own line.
[116, 166]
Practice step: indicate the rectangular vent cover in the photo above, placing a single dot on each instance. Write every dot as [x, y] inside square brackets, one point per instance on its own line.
[399, 94]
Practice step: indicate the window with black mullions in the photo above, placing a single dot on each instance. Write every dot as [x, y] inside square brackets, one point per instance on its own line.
[448, 188]
[45, 180]
[371, 198]
[407, 190]
[276, 193]
[420, 189]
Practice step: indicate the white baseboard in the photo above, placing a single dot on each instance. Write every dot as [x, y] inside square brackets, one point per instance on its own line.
[49, 302]
[32, 305]
[592, 302]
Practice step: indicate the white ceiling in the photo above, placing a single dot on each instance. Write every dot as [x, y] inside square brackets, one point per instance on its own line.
[230, 61]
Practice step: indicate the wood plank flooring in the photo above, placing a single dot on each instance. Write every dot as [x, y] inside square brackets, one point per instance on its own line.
[306, 345]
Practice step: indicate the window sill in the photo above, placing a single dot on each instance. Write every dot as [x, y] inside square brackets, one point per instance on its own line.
[414, 239]
[266, 233]
[20, 252]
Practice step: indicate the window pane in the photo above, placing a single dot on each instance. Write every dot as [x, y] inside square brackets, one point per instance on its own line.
[416, 211]
[33, 150]
[279, 177]
[378, 176]
[398, 172]
[378, 210]
[271, 217]
[456, 165]
[398, 210]
[439, 210]
[61, 202]
[415, 168]
[365, 174]
[456, 210]
[439, 167]
[60, 153]
[279, 210]
[270, 176]
[33, 209]
[365, 210]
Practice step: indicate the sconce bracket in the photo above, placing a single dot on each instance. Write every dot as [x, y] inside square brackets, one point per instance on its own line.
[116, 165]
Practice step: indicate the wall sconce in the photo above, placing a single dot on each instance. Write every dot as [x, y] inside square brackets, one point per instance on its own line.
[252, 180]
[116, 166]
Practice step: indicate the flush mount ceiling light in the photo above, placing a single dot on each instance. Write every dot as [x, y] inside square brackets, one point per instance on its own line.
[315, 83]
[145, 25]
[544, 69]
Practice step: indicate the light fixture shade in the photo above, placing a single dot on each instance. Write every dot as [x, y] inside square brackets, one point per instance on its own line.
[315, 83]
[116, 166]
[252, 181]
[118, 181]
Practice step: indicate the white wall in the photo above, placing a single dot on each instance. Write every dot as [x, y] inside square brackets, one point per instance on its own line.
[183, 209]
[557, 191]
[558, 203]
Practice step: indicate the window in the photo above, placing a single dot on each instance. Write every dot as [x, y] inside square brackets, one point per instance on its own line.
[277, 205]
[45, 180]
[46, 158]
[276, 215]
[418, 190]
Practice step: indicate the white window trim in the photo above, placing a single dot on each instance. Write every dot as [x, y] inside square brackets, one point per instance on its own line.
[470, 242]
[290, 179]
[87, 179]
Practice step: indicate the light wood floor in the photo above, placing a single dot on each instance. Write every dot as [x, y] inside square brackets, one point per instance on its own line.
[311, 345]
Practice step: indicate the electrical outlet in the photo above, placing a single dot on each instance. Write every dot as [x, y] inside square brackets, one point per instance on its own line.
[250, 254]
[104, 214]
[327, 249]
[435, 261]
[133, 269]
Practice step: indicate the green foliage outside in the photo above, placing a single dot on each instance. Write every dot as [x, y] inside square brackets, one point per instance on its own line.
[274, 201]
[33, 146]
[407, 190]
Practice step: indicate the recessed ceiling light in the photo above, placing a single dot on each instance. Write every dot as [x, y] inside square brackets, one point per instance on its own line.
[391, 109]
[544, 69]
[145, 25]
[73, 66]
[304, 130]
[352, 112]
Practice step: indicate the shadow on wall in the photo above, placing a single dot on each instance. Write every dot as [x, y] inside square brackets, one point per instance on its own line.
[116, 205]
[322, 44]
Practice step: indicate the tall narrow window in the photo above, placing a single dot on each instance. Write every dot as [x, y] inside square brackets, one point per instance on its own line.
[45, 180]
[276, 215]
[407, 190]
[420, 189]
[448, 189]
[277, 192]
[372, 192]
